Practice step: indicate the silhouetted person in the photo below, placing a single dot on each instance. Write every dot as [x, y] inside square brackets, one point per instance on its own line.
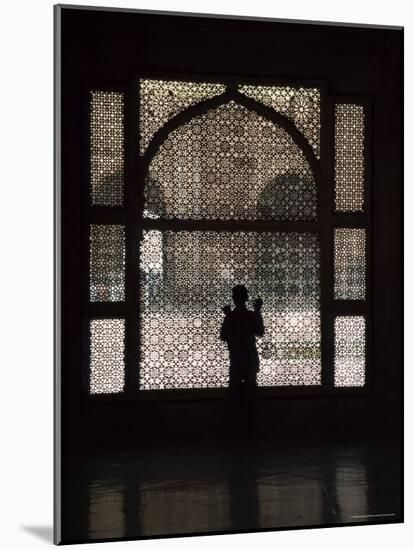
[239, 329]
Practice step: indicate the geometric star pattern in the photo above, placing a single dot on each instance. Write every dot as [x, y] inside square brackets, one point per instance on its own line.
[106, 148]
[187, 277]
[107, 363]
[301, 105]
[161, 100]
[230, 163]
[349, 351]
[349, 157]
[349, 263]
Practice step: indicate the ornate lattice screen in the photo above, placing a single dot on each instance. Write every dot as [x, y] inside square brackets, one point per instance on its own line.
[349, 351]
[300, 105]
[107, 148]
[187, 277]
[230, 163]
[350, 243]
[349, 263]
[349, 157]
[107, 263]
[230, 196]
[227, 163]
[160, 100]
[107, 365]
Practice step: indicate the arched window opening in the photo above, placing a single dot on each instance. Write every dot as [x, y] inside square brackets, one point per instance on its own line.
[217, 167]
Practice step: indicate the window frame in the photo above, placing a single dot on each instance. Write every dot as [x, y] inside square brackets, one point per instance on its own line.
[130, 215]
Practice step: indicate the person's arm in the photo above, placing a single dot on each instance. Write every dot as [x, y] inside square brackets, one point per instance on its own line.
[259, 326]
[224, 327]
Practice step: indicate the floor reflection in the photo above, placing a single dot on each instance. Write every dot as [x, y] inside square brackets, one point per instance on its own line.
[183, 491]
[106, 511]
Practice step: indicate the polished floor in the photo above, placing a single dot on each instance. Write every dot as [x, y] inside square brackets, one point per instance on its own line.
[225, 488]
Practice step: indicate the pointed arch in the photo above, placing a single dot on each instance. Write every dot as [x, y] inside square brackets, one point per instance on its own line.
[243, 146]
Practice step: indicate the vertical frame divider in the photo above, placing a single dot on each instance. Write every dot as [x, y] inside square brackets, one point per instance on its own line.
[326, 207]
[85, 223]
[369, 244]
[132, 268]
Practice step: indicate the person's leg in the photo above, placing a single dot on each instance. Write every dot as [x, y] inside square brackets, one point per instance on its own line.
[251, 401]
[235, 403]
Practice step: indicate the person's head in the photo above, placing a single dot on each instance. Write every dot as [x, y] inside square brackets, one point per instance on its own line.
[240, 295]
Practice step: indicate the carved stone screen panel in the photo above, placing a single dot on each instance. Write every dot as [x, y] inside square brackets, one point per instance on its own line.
[349, 157]
[107, 263]
[107, 148]
[350, 264]
[107, 366]
[231, 163]
[301, 105]
[349, 351]
[187, 277]
[161, 100]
